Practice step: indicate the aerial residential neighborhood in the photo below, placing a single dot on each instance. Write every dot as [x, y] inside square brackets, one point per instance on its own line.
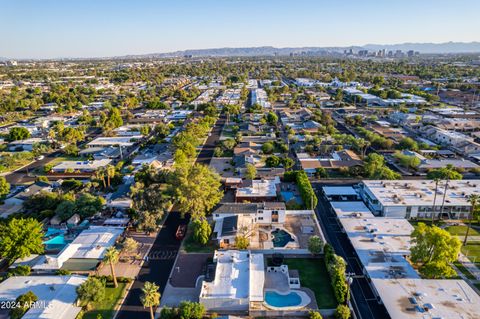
[239, 160]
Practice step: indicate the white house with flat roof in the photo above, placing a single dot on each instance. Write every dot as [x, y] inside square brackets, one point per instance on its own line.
[351, 209]
[239, 280]
[123, 141]
[414, 198]
[56, 295]
[88, 248]
[428, 298]
[81, 166]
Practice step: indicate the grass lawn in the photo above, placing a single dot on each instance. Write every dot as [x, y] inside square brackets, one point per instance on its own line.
[472, 251]
[461, 230]
[464, 270]
[191, 246]
[10, 161]
[314, 275]
[106, 307]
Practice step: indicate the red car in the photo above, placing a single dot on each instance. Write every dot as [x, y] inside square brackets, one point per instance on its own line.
[181, 231]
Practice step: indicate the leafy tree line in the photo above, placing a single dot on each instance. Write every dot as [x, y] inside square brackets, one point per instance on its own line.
[336, 267]
[305, 187]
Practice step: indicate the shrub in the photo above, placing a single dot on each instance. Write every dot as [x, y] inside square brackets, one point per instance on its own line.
[306, 190]
[342, 312]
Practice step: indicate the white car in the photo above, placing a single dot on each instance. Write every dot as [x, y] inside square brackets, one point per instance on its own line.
[41, 157]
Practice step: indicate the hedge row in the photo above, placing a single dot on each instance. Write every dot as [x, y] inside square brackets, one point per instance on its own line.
[336, 267]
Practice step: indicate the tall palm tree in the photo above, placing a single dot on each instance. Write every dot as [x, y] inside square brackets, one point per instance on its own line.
[436, 180]
[100, 174]
[111, 257]
[110, 173]
[474, 200]
[150, 296]
[448, 173]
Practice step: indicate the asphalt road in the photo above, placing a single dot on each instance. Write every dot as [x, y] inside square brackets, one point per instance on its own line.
[206, 154]
[162, 256]
[21, 176]
[157, 269]
[363, 298]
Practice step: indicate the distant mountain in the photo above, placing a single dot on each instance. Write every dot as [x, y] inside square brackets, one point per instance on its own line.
[436, 48]
[448, 47]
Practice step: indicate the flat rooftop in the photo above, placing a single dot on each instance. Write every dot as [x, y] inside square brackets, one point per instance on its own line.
[339, 191]
[421, 192]
[258, 188]
[58, 292]
[428, 298]
[351, 210]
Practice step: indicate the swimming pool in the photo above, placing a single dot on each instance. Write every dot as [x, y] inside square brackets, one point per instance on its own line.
[293, 299]
[281, 238]
[289, 195]
[57, 240]
[53, 231]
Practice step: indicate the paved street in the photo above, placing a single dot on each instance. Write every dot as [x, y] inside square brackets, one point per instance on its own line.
[364, 301]
[165, 248]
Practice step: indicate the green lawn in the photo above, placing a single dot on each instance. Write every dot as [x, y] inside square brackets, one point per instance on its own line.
[464, 270]
[472, 251]
[461, 231]
[314, 275]
[106, 307]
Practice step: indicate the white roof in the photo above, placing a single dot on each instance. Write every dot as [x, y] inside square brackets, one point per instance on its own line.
[349, 209]
[231, 276]
[421, 192]
[339, 190]
[82, 165]
[107, 141]
[259, 188]
[448, 299]
[257, 277]
[57, 292]
[380, 244]
[95, 241]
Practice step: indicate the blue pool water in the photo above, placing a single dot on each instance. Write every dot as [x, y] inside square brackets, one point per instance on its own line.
[57, 240]
[277, 300]
[281, 238]
[53, 231]
[289, 195]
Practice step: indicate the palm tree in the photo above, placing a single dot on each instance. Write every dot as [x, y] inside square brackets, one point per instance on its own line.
[110, 173]
[448, 173]
[111, 257]
[100, 174]
[436, 180]
[473, 199]
[150, 296]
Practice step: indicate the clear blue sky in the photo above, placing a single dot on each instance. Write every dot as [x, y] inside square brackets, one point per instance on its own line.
[92, 28]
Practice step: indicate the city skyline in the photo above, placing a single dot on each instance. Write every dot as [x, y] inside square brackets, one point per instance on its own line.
[88, 29]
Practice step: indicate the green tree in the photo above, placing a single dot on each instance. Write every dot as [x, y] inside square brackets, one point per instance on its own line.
[273, 161]
[110, 170]
[201, 230]
[150, 297]
[432, 246]
[23, 301]
[111, 257]
[375, 168]
[342, 312]
[130, 245]
[90, 291]
[250, 171]
[407, 143]
[272, 118]
[18, 133]
[306, 191]
[191, 310]
[314, 315]
[88, 205]
[315, 245]
[196, 189]
[268, 147]
[4, 187]
[65, 210]
[242, 242]
[19, 238]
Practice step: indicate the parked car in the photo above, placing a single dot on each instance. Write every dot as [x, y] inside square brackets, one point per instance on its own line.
[181, 231]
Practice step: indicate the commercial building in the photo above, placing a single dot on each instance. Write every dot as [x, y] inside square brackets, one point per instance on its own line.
[414, 198]
[428, 298]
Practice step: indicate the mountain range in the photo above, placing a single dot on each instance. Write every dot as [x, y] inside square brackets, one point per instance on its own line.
[433, 48]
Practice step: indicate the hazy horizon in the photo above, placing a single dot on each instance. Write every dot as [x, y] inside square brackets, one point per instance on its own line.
[88, 29]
